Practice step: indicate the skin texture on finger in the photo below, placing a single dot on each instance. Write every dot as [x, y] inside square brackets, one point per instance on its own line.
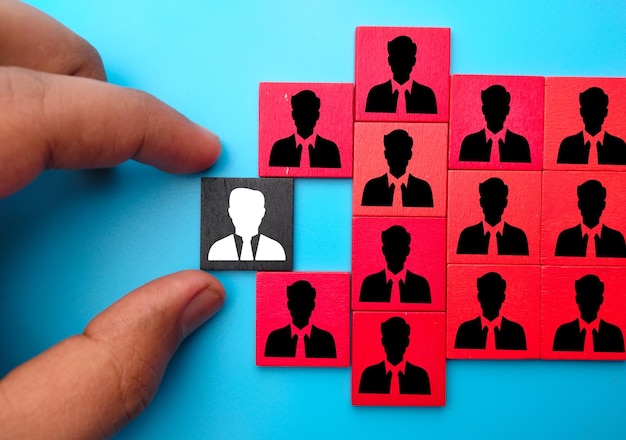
[89, 386]
[36, 41]
[56, 121]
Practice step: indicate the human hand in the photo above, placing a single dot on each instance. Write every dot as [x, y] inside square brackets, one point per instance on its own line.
[57, 112]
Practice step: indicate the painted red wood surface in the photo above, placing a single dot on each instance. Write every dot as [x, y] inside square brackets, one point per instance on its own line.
[428, 163]
[522, 305]
[559, 306]
[561, 211]
[432, 68]
[563, 117]
[427, 258]
[426, 350]
[335, 124]
[331, 313]
[522, 211]
[525, 116]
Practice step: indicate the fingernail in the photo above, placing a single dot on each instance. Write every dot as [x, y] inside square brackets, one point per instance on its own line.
[205, 304]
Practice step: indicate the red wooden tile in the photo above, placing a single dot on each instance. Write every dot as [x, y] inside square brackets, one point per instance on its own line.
[421, 62]
[468, 241]
[414, 342]
[511, 107]
[286, 303]
[381, 152]
[507, 296]
[567, 196]
[323, 113]
[379, 248]
[569, 114]
[576, 297]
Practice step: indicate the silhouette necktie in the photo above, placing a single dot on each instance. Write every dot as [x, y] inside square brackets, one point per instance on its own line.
[493, 239]
[402, 89]
[395, 288]
[394, 388]
[491, 336]
[246, 249]
[495, 139]
[300, 351]
[306, 144]
[591, 234]
[397, 187]
[588, 337]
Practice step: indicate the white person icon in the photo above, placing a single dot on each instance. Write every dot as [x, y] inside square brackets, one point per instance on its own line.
[246, 209]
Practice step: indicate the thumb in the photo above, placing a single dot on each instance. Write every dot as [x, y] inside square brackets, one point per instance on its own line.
[91, 385]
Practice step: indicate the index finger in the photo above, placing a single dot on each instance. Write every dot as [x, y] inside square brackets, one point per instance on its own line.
[55, 121]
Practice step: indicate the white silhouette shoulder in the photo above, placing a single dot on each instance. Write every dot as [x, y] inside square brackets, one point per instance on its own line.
[224, 249]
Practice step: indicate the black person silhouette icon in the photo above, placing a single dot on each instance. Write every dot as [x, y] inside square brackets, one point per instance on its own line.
[593, 145]
[401, 91]
[397, 186]
[300, 338]
[305, 147]
[576, 242]
[246, 209]
[478, 239]
[395, 374]
[491, 329]
[495, 142]
[395, 282]
[589, 332]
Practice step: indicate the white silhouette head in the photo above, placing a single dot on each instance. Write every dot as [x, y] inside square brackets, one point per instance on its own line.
[246, 208]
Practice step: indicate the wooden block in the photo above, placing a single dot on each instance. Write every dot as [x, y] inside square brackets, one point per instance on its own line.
[572, 200]
[419, 58]
[415, 154]
[305, 129]
[576, 105]
[382, 246]
[469, 212]
[413, 342]
[508, 297]
[317, 303]
[246, 224]
[591, 296]
[507, 108]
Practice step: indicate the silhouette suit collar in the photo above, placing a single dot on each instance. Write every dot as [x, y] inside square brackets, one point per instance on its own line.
[239, 244]
[306, 331]
[593, 140]
[400, 368]
[496, 323]
[402, 180]
[495, 137]
[400, 276]
[306, 142]
[593, 325]
[592, 232]
[497, 229]
[397, 87]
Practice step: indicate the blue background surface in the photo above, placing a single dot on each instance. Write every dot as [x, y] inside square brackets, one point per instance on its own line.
[74, 242]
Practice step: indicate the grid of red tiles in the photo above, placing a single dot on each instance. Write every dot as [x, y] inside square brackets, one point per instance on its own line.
[524, 169]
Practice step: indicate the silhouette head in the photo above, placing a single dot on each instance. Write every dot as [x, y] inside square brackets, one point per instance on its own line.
[594, 106]
[398, 151]
[493, 199]
[246, 208]
[300, 302]
[591, 202]
[491, 287]
[305, 111]
[402, 52]
[589, 296]
[396, 247]
[496, 107]
[395, 338]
